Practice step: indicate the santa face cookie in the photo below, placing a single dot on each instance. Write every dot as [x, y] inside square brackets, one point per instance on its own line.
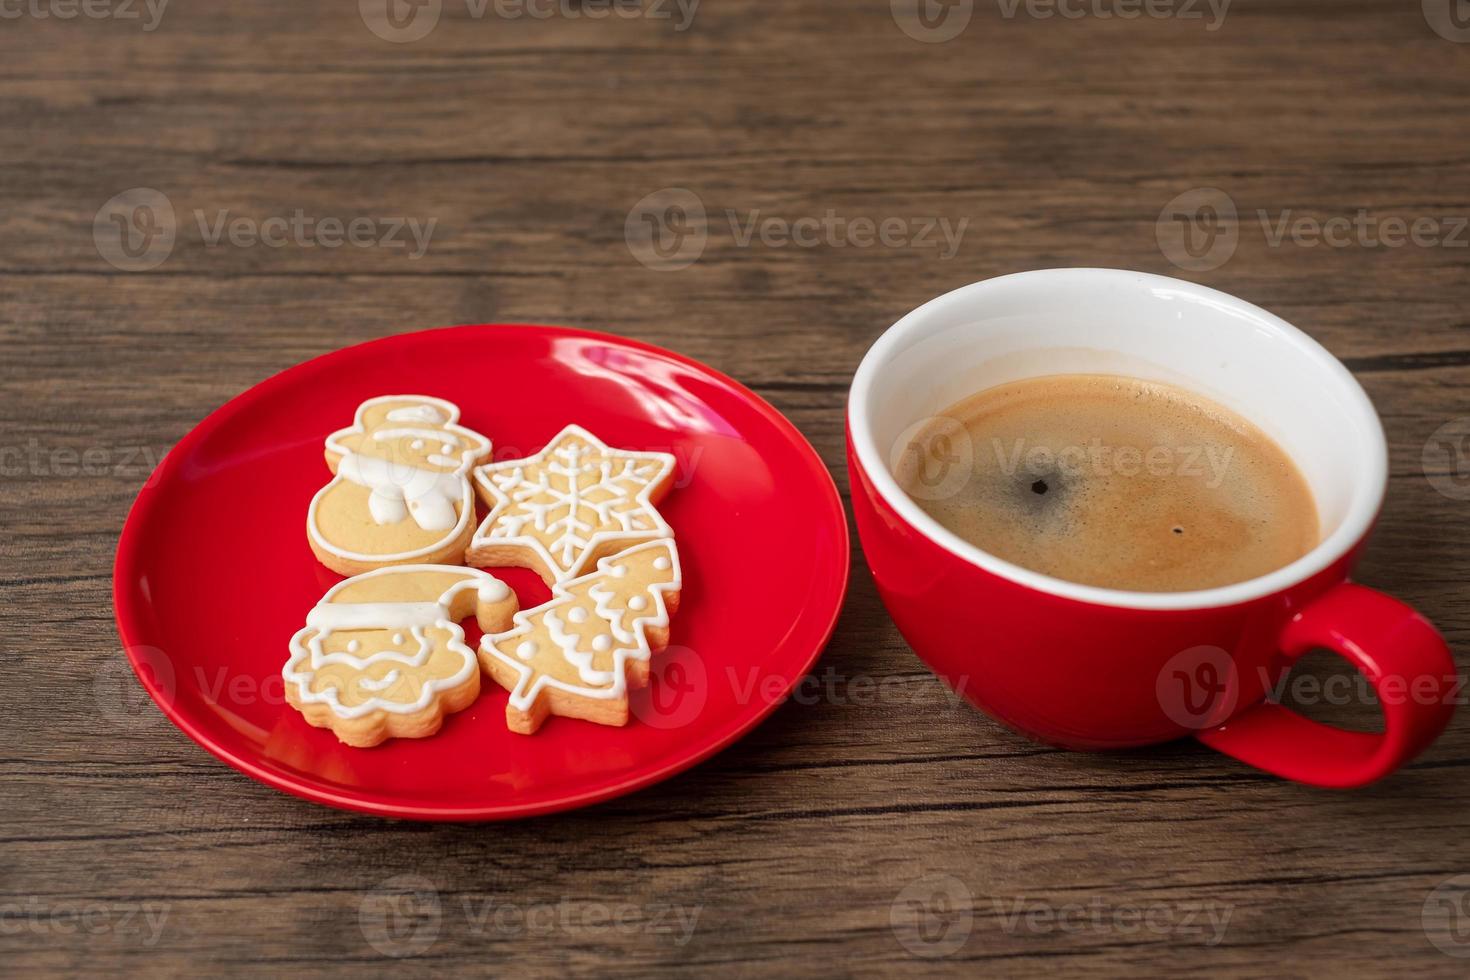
[578, 654]
[577, 500]
[383, 655]
[401, 493]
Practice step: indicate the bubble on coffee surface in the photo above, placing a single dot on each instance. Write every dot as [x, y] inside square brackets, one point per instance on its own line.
[1040, 490]
[1124, 484]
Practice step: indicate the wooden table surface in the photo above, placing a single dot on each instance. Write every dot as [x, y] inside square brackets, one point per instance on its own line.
[532, 143]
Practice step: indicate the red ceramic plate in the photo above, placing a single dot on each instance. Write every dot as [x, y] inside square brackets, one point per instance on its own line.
[214, 573]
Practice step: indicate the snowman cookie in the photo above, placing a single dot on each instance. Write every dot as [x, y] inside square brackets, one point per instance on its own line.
[401, 492]
[578, 654]
[577, 500]
[383, 655]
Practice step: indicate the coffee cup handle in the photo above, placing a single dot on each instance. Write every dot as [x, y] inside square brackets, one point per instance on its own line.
[1403, 657]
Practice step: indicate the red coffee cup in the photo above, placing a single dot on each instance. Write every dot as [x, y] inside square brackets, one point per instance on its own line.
[1091, 668]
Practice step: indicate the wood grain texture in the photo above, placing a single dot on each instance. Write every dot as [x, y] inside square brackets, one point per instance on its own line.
[528, 141]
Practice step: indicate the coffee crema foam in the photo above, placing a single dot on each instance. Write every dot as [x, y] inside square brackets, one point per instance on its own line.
[1113, 482]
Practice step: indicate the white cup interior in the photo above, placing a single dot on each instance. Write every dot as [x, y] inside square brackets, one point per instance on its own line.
[1107, 321]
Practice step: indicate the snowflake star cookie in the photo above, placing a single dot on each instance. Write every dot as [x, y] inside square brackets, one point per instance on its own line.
[574, 502]
[383, 655]
[578, 654]
[401, 492]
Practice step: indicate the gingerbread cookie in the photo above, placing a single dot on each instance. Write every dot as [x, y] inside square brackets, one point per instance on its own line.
[578, 654]
[574, 502]
[383, 655]
[401, 493]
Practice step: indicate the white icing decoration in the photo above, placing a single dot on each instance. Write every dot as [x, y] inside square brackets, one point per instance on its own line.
[580, 659]
[389, 679]
[637, 603]
[394, 485]
[374, 615]
[447, 440]
[399, 490]
[417, 413]
[518, 501]
[577, 615]
[607, 685]
[416, 445]
[601, 643]
[320, 658]
[493, 590]
[308, 654]
[526, 650]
